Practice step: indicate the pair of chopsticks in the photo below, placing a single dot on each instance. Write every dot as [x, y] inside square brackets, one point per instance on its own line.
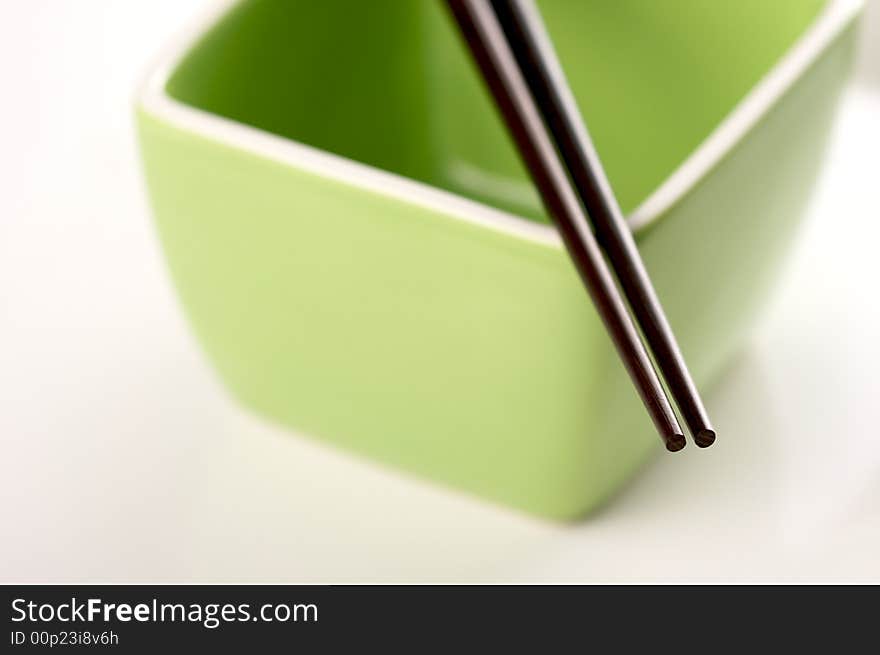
[508, 41]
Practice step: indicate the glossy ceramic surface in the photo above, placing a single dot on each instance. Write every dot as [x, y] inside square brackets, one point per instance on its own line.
[347, 278]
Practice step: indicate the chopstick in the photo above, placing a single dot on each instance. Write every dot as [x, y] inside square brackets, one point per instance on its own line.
[486, 41]
[533, 50]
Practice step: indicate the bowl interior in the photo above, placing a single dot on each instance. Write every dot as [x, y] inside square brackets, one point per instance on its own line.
[365, 80]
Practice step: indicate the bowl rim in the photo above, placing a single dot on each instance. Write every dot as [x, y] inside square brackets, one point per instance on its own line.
[153, 99]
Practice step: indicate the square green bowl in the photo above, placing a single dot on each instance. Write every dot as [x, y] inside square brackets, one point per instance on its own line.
[363, 259]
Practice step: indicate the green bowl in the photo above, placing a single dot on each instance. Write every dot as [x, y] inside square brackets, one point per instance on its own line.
[361, 255]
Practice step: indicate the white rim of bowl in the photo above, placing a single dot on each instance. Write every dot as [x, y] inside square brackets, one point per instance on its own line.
[154, 100]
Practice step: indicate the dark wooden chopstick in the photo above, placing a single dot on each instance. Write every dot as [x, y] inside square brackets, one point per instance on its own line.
[486, 41]
[523, 28]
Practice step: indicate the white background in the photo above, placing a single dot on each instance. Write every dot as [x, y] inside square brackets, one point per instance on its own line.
[122, 459]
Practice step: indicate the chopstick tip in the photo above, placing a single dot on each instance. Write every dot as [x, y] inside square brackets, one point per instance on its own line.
[704, 438]
[675, 443]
